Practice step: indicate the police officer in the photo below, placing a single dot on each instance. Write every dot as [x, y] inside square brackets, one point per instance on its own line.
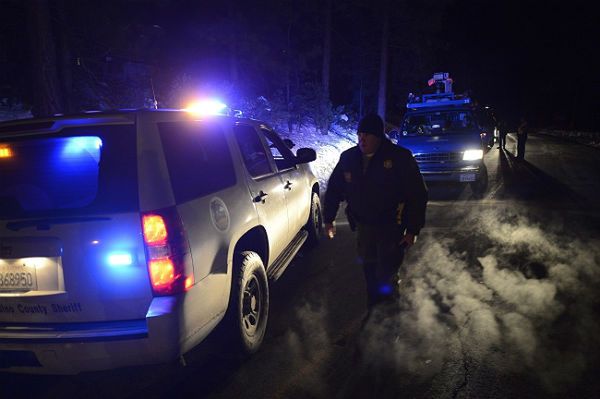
[386, 201]
[502, 136]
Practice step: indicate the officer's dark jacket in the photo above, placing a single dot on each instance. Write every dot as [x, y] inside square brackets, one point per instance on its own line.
[391, 190]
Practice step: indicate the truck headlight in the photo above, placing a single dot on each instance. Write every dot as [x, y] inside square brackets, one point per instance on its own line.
[472, 155]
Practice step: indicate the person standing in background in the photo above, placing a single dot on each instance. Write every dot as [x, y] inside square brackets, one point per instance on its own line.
[502, 131]
[522, 131]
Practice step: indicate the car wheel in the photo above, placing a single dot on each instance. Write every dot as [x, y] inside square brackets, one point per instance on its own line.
[480, 185]
[249, 305]
[314, 226]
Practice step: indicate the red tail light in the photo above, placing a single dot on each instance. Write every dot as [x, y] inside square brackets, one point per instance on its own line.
[5, 152]
[155, 231]
[167, 251]
[162, 272]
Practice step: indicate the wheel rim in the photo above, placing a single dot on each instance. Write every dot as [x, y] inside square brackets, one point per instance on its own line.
[252, 305]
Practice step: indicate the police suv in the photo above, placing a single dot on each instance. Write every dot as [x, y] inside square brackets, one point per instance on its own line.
[447, 135]
[127, 237]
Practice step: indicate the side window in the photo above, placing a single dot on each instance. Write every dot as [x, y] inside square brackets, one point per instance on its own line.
[198, 158]
[284, 159]
[253, 150]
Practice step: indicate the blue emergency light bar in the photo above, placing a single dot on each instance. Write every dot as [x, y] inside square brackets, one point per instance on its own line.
[437, 100]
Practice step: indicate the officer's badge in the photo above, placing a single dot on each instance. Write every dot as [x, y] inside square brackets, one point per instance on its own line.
[387, 164]
[348, 177]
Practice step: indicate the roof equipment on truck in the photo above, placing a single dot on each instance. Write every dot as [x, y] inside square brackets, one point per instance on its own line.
[443, 95]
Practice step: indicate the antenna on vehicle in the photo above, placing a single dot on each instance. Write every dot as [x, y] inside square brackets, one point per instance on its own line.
[154, 102]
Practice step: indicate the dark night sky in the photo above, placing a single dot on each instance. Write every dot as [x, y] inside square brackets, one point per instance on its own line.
[523, 57]
[544, 55]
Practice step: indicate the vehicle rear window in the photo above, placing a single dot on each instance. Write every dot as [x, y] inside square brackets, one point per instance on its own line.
[80, 170]
[198, 158]
[438, 122]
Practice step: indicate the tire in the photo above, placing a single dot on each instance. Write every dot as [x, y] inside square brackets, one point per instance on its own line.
[249, 303]
[479, 186]
[314, 226]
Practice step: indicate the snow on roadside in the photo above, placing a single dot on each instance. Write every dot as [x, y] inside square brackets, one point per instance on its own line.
[328, 148]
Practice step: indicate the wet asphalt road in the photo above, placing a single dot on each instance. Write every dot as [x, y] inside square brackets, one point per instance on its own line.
[497, 300]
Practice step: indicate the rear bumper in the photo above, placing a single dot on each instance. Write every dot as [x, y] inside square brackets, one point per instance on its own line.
[71, 348]
[11, 333]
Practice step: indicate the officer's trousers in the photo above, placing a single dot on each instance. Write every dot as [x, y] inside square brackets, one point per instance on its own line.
[380, 254]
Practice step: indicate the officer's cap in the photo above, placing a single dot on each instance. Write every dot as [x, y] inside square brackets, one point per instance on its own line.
[371, 124]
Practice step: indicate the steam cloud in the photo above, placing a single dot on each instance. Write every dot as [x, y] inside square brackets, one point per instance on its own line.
[504, 303]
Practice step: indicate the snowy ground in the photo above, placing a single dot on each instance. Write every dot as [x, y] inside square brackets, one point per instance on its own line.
[328, 148]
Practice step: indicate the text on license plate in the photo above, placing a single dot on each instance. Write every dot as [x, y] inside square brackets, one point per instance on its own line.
[467, 177]
[18, 275]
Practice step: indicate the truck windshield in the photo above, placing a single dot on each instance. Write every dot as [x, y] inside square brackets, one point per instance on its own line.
[438, 122]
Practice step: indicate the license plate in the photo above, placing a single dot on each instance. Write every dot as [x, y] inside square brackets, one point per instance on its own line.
[18, 275]
[467, 177]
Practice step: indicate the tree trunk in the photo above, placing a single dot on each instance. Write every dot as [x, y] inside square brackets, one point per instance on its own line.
[47, 99]
[233, 56]
[381, 102]
[325, 71]
[288, 67]
[66, 71]
[361, 111]
[325, 75]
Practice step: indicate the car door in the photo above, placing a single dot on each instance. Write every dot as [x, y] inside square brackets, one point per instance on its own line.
[296, 188]
[266, 187]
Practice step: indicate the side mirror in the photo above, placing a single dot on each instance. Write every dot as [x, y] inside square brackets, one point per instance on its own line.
[288, 143]
[305, 155]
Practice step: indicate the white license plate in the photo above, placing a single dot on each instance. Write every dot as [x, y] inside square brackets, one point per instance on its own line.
[18, 275]
[467, 177]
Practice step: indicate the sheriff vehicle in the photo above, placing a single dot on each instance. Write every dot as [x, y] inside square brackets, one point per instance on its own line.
[127, 237]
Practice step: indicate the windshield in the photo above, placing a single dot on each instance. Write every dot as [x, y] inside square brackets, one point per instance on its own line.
[80, 170]
[438, 122]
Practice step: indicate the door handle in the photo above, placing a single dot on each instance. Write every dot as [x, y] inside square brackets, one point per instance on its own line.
[288, 185]
[260, 197]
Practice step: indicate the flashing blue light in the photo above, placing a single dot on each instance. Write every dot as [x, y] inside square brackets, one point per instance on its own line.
[77, 145]
[207, 107]
[119, 259]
